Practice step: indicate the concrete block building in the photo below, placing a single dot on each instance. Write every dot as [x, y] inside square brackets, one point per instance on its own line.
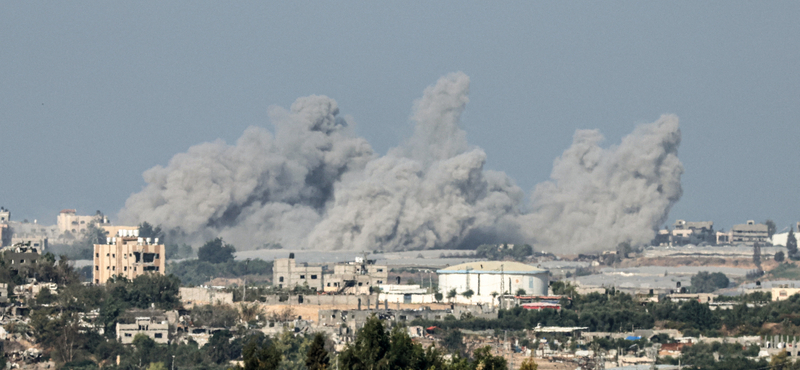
[156, 330]
[356, 277]
[129, 256]
[286, 273]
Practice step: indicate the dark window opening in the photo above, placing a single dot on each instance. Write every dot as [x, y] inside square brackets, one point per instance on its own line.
[280, 279]
[302, 276]
[313, 277]
[148, 257]
[150, 268]
[158, 335]
[138, 256]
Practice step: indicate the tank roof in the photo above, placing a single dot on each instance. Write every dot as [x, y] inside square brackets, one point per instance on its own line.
[492, 267]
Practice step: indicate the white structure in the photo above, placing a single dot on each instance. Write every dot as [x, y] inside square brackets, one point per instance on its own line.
[392, 293]
[487, 277]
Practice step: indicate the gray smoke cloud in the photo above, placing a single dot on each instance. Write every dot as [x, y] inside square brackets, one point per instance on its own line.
[598, 198]
[314, 184]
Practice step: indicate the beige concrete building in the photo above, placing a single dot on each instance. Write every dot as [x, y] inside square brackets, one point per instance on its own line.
[158, 331]
[748, 234]
[286, 273]
[38, 242]
[356, 277]
[127, 255]
[5, 215]
[783, 293]
[69, 221]
[693, 233]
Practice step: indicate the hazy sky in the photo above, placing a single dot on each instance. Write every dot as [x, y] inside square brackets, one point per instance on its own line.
[94, 93]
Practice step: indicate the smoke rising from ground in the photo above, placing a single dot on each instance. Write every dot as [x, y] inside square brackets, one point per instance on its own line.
[314, 184]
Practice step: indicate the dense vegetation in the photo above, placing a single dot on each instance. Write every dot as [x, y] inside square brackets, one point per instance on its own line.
[197, 272]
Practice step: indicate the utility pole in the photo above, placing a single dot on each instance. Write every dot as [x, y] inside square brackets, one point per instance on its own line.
[244, 285]
[502, 285]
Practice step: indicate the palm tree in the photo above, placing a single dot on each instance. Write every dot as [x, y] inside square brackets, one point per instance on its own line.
[451, 294]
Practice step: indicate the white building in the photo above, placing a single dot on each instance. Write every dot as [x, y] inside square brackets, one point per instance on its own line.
[487, 277]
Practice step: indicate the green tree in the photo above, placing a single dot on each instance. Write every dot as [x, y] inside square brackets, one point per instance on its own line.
[157, 366]
[452, 294]
[220, 348]
[260, 356]
[485, 361]
[438, 296]
[147, 230]
[216, 251]
[529, 364]
[453, 342]
[781, 361]
[705, 282]
[368, 351]
[154, 289]
[317, 357]
[468, 294]
[791, 244]
[521, 291]
[770, 227]
[779, 256]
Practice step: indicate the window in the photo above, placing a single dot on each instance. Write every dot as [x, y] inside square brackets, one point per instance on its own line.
[158, 335]
[21, 261]
[313, 277]
[329, 284]
[380, 281]
[302, 276]
[97, 254]
[359, 284]
[114, 255]
[380, 270]
[107, 254]
[83, 222]
[280, 279]
[108, 267]
[402, 318]
[125, 268]
[156, 255]
[97, 281]
[114, 268]
[97, 268]
[127, 334]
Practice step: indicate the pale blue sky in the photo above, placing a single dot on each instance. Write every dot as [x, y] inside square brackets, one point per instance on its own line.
[94, 93]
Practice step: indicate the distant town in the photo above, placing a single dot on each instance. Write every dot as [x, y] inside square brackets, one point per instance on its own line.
[87, 293]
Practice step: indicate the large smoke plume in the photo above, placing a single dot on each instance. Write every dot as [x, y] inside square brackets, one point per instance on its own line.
[314, 184]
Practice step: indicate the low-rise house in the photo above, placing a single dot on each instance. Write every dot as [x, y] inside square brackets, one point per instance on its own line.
[156, 330]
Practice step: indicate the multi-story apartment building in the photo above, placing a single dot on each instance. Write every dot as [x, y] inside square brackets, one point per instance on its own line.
[286, 273]
[129, 256]
[356, 277]
[69, 221]
[748, 233]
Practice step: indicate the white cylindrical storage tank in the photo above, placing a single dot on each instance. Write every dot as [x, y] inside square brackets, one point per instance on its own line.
[487, 279]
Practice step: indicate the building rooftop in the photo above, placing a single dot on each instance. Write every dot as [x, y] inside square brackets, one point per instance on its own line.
[491, 267]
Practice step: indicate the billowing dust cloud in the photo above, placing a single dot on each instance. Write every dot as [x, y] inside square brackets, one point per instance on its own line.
[314, 184]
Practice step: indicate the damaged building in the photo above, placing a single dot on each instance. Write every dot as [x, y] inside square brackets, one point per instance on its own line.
[127, 255]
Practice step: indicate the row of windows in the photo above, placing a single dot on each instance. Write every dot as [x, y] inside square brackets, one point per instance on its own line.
[125, 255]
[313, 277]
[124, 268]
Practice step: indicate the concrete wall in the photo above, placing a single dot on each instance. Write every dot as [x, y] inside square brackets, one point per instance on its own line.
[201, 296]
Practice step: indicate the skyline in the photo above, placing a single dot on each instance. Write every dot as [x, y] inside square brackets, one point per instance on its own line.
[91, 96]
